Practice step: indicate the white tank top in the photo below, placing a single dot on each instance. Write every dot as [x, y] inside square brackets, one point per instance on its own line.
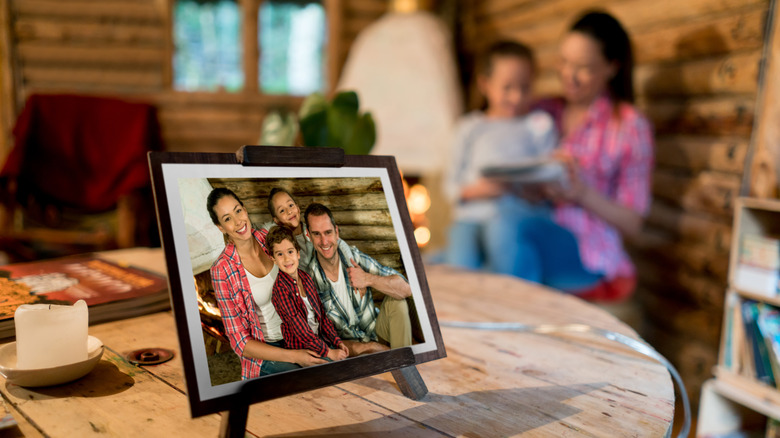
[262, 287]
[342, 294]
[313, 324]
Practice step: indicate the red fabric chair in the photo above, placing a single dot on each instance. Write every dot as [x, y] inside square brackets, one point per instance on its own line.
[78, 155]
[618, 290]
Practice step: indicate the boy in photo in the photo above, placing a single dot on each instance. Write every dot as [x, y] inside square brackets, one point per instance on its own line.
[304, 322]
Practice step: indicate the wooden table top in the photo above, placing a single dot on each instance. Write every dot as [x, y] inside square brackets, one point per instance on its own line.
[491, 383]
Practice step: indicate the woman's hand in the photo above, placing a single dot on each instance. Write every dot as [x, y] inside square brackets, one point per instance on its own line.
[572, 189]
[336, 354]
[482, 188]
[306, 358]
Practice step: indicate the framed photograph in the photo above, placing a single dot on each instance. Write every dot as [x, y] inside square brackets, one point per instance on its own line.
[231, 311]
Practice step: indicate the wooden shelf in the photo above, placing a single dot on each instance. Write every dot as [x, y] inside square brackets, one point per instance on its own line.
[733, 402]
[748, 392]
[773, 300]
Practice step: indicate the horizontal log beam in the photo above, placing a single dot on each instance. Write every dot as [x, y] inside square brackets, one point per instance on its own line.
[708, 192]
[663, 246]
[75, 78]
[671, 315]
[376, 247]
[723, 115]
[36, 53]
[254, 188]
[730, 74]
[50, 30]
[90, 11]
[742, 30]
[691, 227]
[696, 154]
[678, 283]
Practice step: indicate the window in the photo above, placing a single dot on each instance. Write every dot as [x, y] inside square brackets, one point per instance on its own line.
[291, 39]
[207, 41]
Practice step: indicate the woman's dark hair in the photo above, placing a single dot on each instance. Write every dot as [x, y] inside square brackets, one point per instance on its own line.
[501, 49]
[615, 46]
[273, 193]
[279, 234]
[214, 197]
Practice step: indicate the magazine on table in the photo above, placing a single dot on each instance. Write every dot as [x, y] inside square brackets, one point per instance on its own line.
[111, 291]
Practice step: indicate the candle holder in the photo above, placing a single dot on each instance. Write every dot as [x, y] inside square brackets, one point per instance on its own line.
[56, 375]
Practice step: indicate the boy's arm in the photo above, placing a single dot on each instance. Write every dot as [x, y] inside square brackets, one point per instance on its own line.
[327, 329]
[295, 329]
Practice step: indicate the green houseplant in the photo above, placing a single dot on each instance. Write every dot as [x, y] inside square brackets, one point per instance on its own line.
[323, 123]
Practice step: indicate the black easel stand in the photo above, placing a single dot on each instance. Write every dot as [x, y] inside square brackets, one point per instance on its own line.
[400, 362]
[233, 423]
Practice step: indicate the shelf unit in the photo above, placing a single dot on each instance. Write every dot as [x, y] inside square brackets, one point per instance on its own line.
[734, 401]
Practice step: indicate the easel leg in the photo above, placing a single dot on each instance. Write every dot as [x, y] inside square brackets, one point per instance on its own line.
[234, 421]
[410, 382]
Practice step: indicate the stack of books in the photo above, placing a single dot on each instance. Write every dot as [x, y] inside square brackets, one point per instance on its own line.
[758, 265]
[111, 291]
[753, 340]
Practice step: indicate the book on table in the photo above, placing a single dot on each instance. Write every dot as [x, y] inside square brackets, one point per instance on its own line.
[111, 291]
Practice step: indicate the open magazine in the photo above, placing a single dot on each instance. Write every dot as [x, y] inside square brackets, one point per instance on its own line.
[111, 291]
[536, 170]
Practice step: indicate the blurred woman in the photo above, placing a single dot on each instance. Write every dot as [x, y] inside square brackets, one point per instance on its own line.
[607, 146]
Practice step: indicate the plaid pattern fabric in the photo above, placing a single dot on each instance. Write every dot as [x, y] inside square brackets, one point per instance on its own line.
[614, 151]
[365, 330]
[291, 308]
[236, 305]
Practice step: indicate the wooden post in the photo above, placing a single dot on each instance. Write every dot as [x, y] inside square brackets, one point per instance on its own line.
[763, 160]
[251, 55]
[334, 13]
[8, 82]
[166, 11]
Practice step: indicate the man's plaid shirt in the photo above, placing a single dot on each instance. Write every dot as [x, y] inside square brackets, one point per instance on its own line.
[365, 329]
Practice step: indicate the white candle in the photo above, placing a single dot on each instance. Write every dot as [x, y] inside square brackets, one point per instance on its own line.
[50, 335]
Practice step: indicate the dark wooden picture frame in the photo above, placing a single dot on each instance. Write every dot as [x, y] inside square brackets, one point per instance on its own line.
[258, 162]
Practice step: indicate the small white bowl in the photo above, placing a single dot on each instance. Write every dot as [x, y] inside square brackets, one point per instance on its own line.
[48, 376]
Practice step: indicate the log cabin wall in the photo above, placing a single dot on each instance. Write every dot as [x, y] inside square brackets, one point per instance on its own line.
[123, 48]
[359, 208]
[696, 77]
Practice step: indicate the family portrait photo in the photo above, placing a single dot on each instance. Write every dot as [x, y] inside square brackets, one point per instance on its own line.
[310, 272]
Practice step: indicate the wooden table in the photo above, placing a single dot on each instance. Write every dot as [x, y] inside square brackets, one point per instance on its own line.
[490, 384]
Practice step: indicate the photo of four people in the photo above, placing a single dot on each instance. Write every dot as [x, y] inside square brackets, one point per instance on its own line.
[292, 292]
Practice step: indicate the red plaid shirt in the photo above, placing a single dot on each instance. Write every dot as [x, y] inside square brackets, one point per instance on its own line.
[234, 298]
[291, 308]
[615, 154]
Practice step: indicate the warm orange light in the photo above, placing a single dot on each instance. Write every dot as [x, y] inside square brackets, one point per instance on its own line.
[422, 235]
[418, 201]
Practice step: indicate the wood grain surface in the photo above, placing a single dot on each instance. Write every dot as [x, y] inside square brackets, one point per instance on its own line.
[490, 384]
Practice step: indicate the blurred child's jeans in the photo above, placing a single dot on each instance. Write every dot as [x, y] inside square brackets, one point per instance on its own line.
[521, 240]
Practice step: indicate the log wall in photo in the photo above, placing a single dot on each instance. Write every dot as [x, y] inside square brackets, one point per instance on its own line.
[359, 208]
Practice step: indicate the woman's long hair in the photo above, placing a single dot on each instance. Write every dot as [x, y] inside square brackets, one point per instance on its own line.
[615, 46]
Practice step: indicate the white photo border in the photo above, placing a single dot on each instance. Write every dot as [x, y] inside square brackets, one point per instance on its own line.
[173, 172]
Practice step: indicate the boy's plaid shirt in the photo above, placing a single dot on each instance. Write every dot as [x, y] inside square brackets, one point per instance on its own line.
[291, 308]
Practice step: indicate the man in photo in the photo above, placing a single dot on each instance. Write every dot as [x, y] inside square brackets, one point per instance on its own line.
[346, 279]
